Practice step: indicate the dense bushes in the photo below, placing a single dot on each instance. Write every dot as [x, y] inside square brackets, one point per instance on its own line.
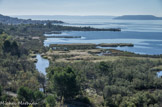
[120, 81]
[139, 99]
[143, 99]
[12, 48]
[50, 101]
[1, 31]
[27, 95]
[64, 82]
[0, 91]
[15, 68]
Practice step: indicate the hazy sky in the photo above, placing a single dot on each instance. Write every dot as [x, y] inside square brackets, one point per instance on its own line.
[81, 7]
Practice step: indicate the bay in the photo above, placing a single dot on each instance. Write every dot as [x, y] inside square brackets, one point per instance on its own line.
[146, 35]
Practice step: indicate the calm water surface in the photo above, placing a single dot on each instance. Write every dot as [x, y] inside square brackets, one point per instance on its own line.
[146, 35]
[41, 64]
[159, 74]
[144, 42]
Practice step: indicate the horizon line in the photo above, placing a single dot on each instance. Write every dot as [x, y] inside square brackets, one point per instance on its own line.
[88, 15]
[71, 15]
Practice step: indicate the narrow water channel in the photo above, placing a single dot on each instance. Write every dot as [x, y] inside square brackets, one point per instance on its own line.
[41, 64]
[159, 74]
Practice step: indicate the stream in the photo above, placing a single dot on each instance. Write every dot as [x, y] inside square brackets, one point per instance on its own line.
[159, 74]
[41, 64]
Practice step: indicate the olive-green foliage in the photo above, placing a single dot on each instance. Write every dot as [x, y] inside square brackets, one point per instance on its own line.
[83, 99]
[3, 38]
[1, 31]
[119, 80]
[104, 67]
[0, 91]
[113, 95]
[64, 82]
[143, 99]
[51, 101]
[38, 96]
[6, 46]
[27, 95]
[12, 48]
[15, 68]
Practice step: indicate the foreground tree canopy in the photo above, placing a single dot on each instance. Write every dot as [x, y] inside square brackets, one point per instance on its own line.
[64, 82]
[126, 82]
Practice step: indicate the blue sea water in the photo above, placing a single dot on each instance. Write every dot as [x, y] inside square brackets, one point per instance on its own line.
[146, 35]
[144, 42]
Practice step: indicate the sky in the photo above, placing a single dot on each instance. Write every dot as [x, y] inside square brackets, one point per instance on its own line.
[81, 7]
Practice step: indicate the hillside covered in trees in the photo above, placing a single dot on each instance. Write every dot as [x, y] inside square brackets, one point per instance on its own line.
[12, 20]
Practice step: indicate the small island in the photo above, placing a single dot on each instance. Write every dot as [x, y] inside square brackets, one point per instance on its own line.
[138, 17]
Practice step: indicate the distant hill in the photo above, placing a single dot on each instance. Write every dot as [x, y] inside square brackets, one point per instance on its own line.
[138, 17]
[12, 20]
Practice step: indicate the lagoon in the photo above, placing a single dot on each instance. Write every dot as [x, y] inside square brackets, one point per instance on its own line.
[146, 35]
[144, 42]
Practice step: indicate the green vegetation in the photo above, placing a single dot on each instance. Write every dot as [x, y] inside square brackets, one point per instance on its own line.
[1, 31]
[64, 82]
[15, 21]
[51, 101]
[12, 48]
[16, 70]
[14, 66]
[143, 99]
[124, 82]
[77, 76]
[27, 95]
[0, 91]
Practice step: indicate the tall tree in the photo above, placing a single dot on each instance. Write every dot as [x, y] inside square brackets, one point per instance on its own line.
[65, 83]
[1, 31]
[15, 49]
[6, 46]
[25, 94]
